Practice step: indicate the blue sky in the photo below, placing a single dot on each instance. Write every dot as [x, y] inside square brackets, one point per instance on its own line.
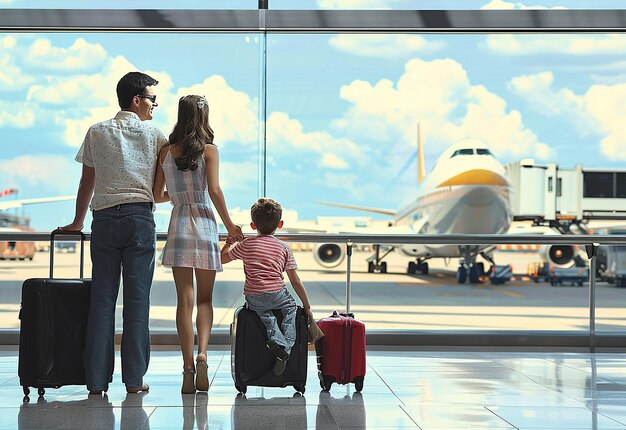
[342, 109]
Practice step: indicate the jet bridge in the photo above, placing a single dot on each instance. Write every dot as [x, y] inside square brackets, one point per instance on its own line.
[549, 195]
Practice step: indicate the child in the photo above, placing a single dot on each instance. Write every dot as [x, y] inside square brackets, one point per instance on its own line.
[189, 165]
[265, 258]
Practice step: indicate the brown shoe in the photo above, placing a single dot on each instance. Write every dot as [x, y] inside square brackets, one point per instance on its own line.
[188, 386]
[202, 376]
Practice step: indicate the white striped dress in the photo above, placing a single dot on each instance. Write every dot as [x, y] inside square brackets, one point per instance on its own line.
[192, 236]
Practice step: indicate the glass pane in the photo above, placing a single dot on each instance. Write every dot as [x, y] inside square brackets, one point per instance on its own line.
[444, 4]
[621, 185]
[122, 4]
[344, 115]
[54, 86]
[598, 184]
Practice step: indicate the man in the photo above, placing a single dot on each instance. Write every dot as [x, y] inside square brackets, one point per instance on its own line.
[119, 159]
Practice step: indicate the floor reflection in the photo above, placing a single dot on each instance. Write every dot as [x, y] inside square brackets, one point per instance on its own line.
[275, 413]
[92, 412]
[195, 412]
[346, 411]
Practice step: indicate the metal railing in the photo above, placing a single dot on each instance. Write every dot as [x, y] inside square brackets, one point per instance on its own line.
[591, 243]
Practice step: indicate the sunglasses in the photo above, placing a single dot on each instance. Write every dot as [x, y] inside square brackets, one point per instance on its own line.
[152, 98]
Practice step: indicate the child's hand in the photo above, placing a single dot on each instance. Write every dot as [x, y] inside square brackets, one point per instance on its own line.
[236, 233]
[229, 240]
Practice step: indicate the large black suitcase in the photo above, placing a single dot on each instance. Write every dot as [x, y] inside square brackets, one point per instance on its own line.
[252, 362]
[53, 322]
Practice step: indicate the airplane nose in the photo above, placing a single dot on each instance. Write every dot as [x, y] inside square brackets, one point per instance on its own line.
[476, 177]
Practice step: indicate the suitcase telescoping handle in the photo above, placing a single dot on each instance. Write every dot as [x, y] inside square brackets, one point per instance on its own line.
[349, 266]
[59, 232]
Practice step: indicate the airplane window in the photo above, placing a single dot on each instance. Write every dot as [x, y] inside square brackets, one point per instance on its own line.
[480, 151]
[462, 152]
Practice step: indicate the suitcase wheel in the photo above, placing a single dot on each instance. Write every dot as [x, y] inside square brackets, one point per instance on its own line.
[41, 391]
[299, 388]
[241, 388]
[358, 383]
[325, 383]
[26, 391]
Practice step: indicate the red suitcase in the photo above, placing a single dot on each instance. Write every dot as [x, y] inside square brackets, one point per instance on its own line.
[341, 352]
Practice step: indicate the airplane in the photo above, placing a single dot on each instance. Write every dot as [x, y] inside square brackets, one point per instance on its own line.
[466, 192]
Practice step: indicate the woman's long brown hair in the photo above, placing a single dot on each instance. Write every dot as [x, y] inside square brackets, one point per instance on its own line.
[192, 131]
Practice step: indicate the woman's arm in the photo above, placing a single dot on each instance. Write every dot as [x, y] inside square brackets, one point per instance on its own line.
[158, 189]
[211, 157]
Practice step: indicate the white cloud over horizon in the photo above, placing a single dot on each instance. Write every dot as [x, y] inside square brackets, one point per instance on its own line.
[508, 5]
[565, 44]
[354, 4]
[81, 56]
[384, 45]
[455, 110]
[45, 171]
[599, 111]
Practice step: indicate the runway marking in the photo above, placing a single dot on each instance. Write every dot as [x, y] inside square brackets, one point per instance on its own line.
[511, 293]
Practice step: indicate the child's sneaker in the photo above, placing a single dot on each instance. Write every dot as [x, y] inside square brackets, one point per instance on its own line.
[277, 350]
[279, 367]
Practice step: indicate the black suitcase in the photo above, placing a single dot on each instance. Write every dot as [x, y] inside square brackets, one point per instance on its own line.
[252, 362]
[53, 321]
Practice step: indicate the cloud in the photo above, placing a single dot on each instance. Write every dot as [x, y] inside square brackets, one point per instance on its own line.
[332, 161]
[233, 115]
[600, 110]
[46, 171]
[384, 45]
[16, 115]
[284, 135]
[12, 77]
[354, 4]
[606, 104]
[502, 4]
[240, 176]
[564, 44]
[81, 56]
[438, 95]
[537, 90]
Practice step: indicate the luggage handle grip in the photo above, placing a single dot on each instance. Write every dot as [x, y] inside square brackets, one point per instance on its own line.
[59, 232]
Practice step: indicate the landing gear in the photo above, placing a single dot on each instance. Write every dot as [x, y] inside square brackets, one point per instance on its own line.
[468, 267]
[419, 266]
[375, 263]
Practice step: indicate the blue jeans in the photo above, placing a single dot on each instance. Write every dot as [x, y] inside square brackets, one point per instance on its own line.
[283, 300]
[123, 241]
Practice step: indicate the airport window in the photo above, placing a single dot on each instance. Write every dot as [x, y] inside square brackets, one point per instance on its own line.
[598, 184]
[620, 185]
[550, 185]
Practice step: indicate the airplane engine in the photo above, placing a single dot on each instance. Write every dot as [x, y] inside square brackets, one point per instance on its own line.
[558, 255]
[329, 255]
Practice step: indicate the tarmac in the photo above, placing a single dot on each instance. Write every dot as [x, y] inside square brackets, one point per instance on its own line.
[391, 301]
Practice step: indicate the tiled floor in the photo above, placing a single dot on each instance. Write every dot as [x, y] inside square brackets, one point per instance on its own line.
[420, 390]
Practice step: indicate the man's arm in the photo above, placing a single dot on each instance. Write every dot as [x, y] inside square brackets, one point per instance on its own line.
[158, 189]
[298, 287]
[83, 197]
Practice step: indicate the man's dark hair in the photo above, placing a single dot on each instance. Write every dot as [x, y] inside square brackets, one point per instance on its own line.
[133, 84]
[266, 214]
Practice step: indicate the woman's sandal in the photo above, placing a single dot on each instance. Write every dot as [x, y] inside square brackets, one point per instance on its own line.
[188, 385]
[202, 375]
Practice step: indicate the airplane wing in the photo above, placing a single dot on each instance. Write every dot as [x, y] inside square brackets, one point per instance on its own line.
[19, 203]
[360, 208]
